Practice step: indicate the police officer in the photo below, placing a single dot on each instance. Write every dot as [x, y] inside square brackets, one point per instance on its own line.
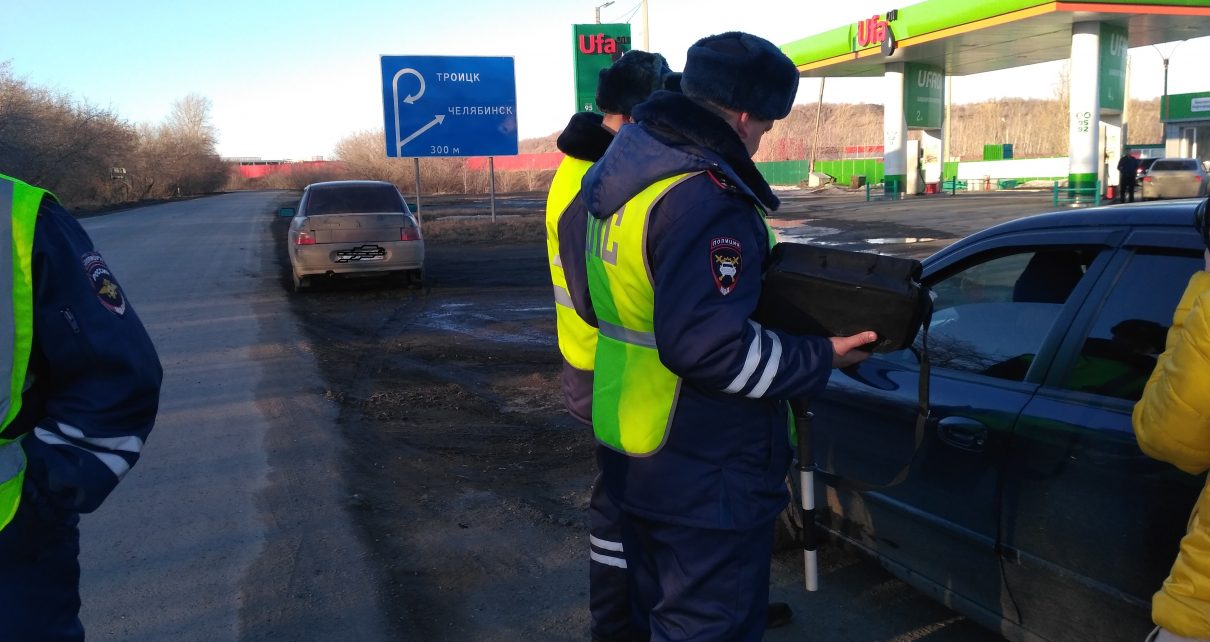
[620, 87]
[81, 394]
[688, 397]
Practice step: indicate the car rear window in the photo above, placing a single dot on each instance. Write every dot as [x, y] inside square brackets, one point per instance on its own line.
[360, 199]
[1183, 164]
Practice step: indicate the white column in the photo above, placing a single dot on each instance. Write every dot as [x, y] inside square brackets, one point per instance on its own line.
[1085, 107]
[894, 134]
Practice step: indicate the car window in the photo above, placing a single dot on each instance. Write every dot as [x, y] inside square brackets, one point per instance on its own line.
[992, 317]
[361, 199]
[1174, 165]
[1131, 327]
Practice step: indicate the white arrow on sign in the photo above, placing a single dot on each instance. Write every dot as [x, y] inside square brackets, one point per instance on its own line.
[409, 99]
[437, 120]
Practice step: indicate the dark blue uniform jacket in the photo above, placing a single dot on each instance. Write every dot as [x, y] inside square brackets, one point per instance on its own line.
[728, 451]
[94, 376]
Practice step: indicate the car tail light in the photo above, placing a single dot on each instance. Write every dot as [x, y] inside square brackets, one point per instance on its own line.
[409, 234]
[305, 238]
[1147, 179]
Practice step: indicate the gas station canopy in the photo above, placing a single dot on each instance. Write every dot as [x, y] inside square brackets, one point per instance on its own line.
[963, 38]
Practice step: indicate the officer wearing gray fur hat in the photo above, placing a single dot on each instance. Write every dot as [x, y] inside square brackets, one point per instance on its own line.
[621, 86]
[689, 396]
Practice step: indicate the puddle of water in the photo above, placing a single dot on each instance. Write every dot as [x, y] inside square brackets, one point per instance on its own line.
[455, 317]
[901, 240]
[797, 231]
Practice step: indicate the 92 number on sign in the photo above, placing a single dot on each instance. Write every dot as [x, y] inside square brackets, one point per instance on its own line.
[443, 150]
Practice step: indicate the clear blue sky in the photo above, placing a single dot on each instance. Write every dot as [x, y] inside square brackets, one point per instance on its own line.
[289, 80]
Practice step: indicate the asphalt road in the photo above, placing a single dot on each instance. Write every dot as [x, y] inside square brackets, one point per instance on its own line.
[236, 523]
[232, 524]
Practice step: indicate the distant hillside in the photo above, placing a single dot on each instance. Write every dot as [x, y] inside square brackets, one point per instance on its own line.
[1036, 128]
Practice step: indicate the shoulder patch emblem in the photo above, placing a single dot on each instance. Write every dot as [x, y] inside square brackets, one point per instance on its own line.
[725, 255]
[109, 293]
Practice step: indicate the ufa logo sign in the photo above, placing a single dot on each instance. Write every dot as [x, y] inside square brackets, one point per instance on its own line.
[1117, 45]
[600, 44]
[871, 31]
[930, 79]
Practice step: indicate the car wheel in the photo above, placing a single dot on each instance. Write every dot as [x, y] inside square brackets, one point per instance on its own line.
[416, 279]
[301, 282]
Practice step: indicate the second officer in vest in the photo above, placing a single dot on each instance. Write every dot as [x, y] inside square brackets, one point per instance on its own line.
[689, 392]
[621, 86]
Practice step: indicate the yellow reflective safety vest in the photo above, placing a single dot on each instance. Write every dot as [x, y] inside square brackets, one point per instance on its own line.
[634, 394]
[577, 339]
[20, 203]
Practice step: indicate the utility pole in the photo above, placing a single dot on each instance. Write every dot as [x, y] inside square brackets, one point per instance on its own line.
[601, 6]
[646, 31]
[1164, 110]
[815, 141]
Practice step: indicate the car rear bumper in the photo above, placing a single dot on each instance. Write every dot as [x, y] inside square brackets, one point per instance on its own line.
[1152, 190]
[364, 258]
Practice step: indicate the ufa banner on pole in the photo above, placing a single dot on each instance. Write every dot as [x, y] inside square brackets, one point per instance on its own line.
[1114, 43]
[923, 95]
[595, 47]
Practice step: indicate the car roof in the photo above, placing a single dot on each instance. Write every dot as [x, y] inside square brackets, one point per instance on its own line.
[350, 183]
[1177, 212]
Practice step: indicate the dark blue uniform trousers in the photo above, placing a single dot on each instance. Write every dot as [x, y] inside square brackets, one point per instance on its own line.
[40, 578]
[698, 584]
[608, 581]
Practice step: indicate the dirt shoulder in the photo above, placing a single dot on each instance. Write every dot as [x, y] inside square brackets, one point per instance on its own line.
[467, 480]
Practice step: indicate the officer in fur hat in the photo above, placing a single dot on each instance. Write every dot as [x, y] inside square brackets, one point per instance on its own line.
[689, 395]
[621, 86]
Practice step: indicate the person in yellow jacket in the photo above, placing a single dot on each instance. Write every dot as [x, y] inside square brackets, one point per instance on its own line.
[1172, 424]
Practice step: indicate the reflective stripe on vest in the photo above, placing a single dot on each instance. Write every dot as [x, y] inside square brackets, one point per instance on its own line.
[577, 340]
[19, 203]
[633, 394]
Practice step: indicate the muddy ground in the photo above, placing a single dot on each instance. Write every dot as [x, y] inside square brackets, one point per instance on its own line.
[467, 480]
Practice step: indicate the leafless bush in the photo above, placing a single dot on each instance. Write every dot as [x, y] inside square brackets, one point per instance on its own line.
[89, 156]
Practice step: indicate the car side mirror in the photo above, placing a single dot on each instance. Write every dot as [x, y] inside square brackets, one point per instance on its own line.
[285, 212]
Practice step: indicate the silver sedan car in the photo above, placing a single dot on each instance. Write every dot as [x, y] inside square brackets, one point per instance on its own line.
[1174, 178]
[353, 228]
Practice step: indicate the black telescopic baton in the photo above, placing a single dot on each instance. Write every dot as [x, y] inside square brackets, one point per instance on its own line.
[806, 491]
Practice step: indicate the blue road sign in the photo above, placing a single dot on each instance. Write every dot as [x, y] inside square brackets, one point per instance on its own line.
[449, 106]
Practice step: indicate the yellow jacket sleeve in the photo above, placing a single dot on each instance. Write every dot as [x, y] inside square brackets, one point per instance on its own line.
[1172, 420]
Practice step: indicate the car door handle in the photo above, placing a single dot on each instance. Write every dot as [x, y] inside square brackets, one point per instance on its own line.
[963, 433]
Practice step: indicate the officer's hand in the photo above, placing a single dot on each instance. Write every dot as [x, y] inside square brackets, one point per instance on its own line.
[844, 349]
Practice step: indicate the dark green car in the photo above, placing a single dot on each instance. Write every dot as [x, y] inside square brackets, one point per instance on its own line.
[1027, 504]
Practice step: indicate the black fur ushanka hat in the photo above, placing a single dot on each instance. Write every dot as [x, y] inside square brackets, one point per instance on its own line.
[743, 72]
[630, 80]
